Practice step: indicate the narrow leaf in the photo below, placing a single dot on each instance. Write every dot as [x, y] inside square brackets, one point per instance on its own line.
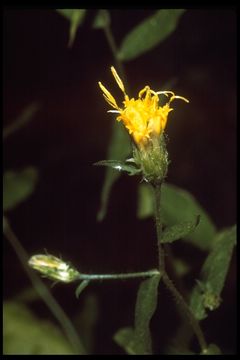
[146, 304]
[17, 186]
[101, 20]
[76, 17]
[179, 231]
[206, 294]
[81, 287]
[119, 148]
[149, 33]
[120, 166]
[178, 206]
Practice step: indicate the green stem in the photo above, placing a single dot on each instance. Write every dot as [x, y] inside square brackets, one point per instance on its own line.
[118, 276]
[43, 291]
[167, 281]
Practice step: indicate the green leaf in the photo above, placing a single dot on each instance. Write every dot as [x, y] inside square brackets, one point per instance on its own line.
[179, 231]
[146, 305]
[26, 115]
[119, 148]
[25, 334]
[138, 341]
[17, 186]
[76, 17]
[102, 19]
[206, 294]
[124, 337]
[149, 33]
[86, 319]
[81, 287]
[178, 206]
[145, 206]
[212, 350]
[120, 166]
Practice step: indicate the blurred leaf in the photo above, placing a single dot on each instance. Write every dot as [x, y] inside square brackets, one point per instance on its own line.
[25, 334]
[86, 320]
[138, 340]
[181, 267]
[206, 294]
[102, 19]
[76, 17]
[120, 166]
[149, 33]
[124, 337]
[17, 186]
[145, 206]
[26, 115]
[178, 351]
[212, 350]
[27, 295]
[119, 148]
[177, 206]
[181, 230]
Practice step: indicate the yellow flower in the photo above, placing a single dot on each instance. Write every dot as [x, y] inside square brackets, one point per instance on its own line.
[143, 118]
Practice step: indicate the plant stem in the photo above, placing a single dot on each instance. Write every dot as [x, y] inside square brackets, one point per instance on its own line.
[43, 291]
[167, 281]
[118, 276]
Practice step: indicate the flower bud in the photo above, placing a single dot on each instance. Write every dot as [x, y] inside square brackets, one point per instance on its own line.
[53, 268]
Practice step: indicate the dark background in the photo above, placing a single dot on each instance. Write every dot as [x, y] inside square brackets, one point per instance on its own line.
[72, 130]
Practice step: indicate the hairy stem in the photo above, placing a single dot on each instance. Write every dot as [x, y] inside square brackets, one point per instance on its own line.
[43, 291]
[118, 276]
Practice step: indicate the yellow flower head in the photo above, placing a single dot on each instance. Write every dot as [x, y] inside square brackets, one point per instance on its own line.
[143, 118]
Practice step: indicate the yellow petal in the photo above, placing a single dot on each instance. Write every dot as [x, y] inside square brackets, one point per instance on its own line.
[118, 80]
[108, 96]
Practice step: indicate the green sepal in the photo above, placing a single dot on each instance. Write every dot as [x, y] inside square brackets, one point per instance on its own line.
[178, 231]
